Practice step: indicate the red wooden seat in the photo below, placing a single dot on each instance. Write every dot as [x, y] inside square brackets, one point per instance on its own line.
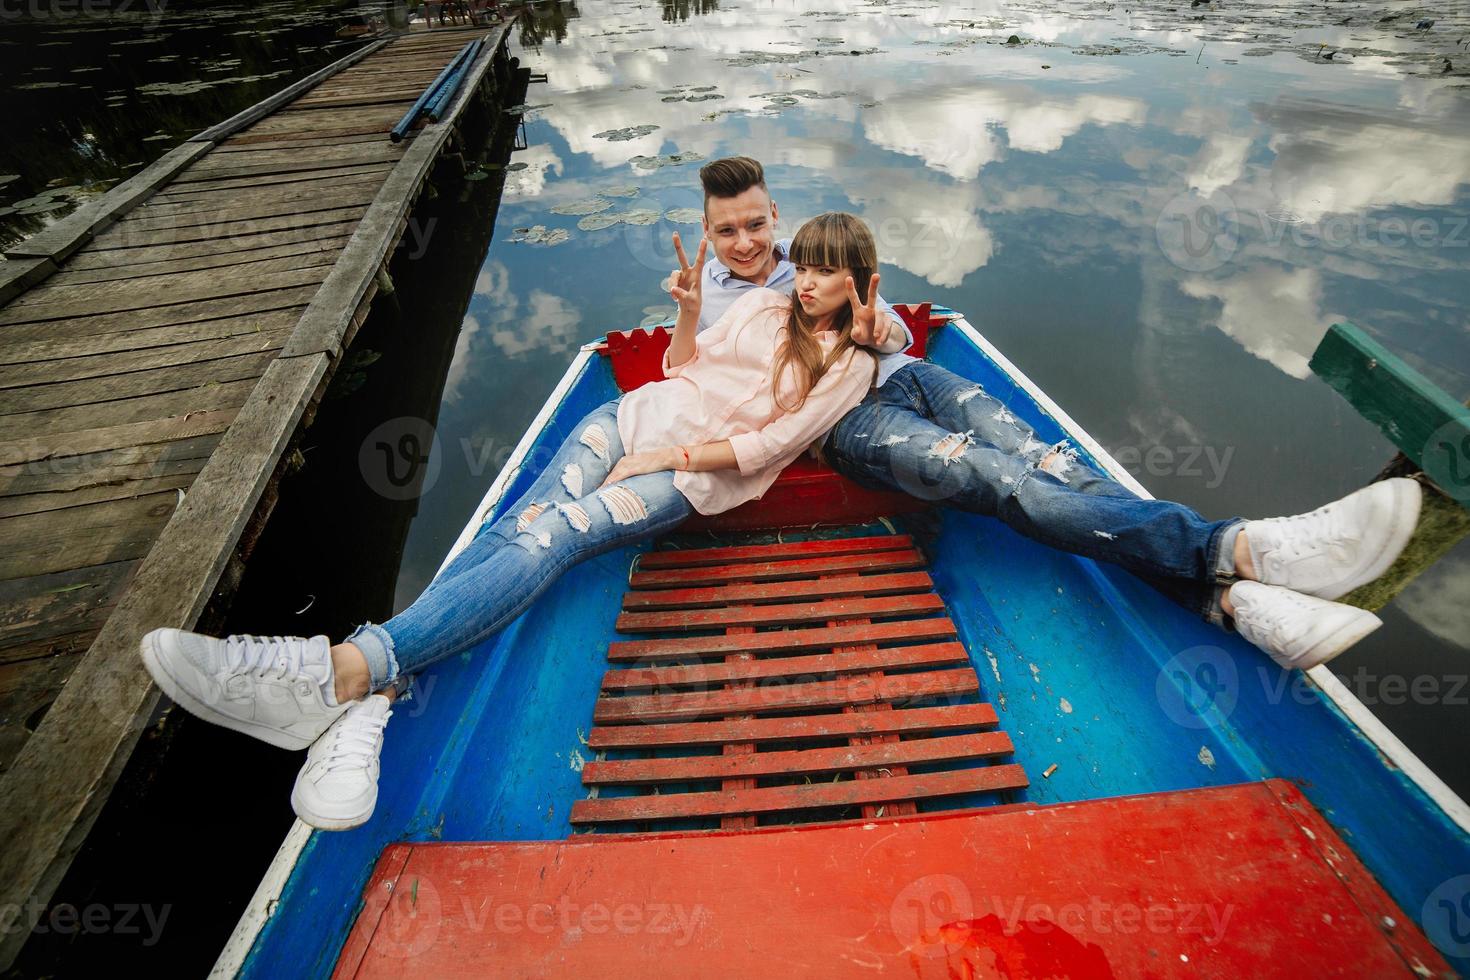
[1227, 881]
[807, 492]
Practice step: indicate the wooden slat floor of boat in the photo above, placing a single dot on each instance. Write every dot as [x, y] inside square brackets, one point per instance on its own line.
[120, 373]
[815, 709]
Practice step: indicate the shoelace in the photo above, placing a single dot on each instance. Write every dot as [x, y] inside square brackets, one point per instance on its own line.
[1305, 531]
[1269, 620]
[285, 655]
[356, 741]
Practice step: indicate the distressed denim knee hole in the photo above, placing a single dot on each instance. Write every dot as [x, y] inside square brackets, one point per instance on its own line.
[594, 437]
[951, 448]
[623, 505]
[571, 479]
[576, 517]
[530, 514]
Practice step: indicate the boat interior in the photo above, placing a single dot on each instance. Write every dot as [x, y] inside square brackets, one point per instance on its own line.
[836, 732]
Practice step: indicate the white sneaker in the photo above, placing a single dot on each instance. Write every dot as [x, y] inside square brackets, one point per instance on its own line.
[338, 787]
[1338, 547]
[1297, 630]
[266, 686]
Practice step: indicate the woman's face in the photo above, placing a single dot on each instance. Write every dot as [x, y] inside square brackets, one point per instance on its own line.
[821, 289]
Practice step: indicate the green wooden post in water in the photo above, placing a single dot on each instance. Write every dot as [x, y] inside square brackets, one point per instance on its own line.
[1431, 430]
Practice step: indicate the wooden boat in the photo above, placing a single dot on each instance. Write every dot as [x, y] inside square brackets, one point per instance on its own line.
[830, 752]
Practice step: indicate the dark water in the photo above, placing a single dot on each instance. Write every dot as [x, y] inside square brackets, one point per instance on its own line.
[1046, 189]
[94, 92]
[1155, 216]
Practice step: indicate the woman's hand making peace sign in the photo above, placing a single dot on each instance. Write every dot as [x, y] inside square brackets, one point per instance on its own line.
[870, 325]
[686, 282]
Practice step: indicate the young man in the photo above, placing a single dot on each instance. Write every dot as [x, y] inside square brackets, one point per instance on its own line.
[927, 432]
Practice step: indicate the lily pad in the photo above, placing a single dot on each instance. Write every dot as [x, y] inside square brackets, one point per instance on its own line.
[667, 160]
[684, 216]
[28, 202]
[597, 222]
[639, 217]
[750, 59]
[541, 235]
[623, 190]
[8, 179]
[657, 315]
[592, 205]
[626, 133]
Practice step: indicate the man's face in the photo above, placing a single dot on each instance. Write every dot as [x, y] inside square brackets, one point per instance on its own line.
[742, 230]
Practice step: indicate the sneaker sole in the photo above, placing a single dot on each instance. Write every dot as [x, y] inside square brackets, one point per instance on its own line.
[1340, 642]
[153, 660]
[1404, 513]
[320, 822]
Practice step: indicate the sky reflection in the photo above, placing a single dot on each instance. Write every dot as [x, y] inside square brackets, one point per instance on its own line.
[1155, 217]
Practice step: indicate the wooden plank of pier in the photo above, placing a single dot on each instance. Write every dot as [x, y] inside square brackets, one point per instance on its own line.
[159, 351]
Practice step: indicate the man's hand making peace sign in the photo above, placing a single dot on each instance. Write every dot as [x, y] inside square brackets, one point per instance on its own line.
[686, 282]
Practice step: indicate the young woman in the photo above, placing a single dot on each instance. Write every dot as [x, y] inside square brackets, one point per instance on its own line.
[740, 402]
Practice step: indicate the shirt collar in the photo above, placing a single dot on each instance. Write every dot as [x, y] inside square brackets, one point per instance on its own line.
[720, 272]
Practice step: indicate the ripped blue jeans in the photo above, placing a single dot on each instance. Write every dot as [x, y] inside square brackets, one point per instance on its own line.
[932, 434]
[561, 520]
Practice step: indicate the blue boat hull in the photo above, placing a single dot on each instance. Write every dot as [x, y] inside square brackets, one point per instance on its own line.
[1093, 672]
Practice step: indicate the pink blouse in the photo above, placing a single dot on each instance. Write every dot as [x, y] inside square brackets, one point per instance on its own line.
[726, 391]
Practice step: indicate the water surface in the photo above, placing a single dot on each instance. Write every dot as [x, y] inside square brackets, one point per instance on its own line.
[1155, 212]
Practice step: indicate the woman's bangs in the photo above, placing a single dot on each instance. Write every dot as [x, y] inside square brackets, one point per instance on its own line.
[825, 242]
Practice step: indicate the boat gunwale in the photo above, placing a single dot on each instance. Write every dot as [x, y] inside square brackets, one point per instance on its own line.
[1349, 709]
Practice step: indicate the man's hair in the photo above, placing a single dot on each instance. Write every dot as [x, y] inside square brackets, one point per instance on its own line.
[731, 176]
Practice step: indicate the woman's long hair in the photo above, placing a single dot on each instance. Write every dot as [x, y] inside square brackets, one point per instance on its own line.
[836, 240]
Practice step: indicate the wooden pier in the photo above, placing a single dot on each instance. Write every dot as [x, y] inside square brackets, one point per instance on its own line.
[160, 349]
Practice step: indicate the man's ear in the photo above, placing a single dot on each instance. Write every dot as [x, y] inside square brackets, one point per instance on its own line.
[775, 213]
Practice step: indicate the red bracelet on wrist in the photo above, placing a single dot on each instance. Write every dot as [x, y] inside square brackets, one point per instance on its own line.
[686, 457]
